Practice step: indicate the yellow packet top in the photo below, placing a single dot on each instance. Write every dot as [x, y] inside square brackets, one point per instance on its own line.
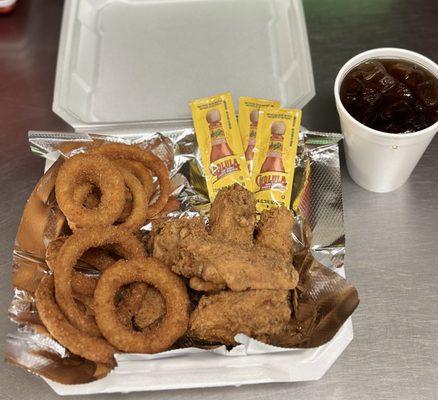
[249, 108]
[220, 143]
[274, 157]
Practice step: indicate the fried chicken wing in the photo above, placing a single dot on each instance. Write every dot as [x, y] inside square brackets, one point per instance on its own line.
[274, 231]
[167, 244]
[228, 255]
[202, 286]
[233, 215]
[260, 314]
[199, 255]
[239, 268]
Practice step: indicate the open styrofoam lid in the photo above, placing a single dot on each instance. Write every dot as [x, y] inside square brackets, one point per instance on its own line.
[141, 61]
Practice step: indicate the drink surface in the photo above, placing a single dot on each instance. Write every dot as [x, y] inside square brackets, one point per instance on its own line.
[390, 95]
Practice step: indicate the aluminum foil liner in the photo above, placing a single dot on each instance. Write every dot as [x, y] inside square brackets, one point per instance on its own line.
[322, 301]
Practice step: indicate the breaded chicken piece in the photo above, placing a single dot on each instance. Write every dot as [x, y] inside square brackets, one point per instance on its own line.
[233, 215]
[239, 268]
[259, 314]
[221, 258]
[167, 244]
[203, 286]
[274, 231]
[189, 251]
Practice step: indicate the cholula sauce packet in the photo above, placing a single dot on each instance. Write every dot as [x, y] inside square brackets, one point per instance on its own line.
[220, 143]
[274, 157]
[249, 108]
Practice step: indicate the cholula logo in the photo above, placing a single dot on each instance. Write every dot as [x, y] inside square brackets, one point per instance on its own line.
[217, 133]
[224, 167]
[267, 182]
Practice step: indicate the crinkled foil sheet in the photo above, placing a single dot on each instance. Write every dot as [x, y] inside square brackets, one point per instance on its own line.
[321, 304]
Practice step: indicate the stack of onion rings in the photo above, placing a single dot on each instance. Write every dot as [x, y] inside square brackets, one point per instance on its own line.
[71, 251]
[118, 151]
[111, 184]
[104, 196]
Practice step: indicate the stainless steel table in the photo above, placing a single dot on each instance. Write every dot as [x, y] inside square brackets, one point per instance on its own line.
[392, 256]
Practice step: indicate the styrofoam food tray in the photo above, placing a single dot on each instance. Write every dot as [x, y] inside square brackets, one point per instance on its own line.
[251, 362]
[208, 369]
[136, 64]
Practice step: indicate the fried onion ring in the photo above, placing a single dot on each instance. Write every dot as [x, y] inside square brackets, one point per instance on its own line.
[142, 305]
[75, 245]
[80, 283]
[86, 301]
[79, 343]
[137, 169]
[134, 213]
[152, 309]
[131, 303]
[100, 172]
[151, 272]
[139, 209]
[143, 175]
[149, 160]
[83, 284]
[98, 259]
[86, 195]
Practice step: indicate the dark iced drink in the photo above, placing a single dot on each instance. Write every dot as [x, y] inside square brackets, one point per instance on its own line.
[389, 95]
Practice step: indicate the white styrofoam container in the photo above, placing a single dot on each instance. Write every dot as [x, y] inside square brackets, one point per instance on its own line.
[141, 61]
[135, 64]
[198, 369]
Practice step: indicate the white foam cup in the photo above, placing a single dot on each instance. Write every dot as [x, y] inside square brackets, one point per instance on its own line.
[380, 161]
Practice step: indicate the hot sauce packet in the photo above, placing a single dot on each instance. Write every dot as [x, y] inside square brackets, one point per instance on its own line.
[219, 143]
[274, 157]
[249, 108]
